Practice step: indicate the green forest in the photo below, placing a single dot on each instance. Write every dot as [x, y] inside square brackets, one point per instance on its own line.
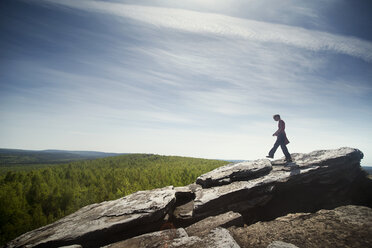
[32, 196]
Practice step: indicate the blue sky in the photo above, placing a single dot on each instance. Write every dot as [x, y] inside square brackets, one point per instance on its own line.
[193, 78]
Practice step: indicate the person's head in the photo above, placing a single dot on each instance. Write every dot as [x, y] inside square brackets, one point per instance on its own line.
[276, 117]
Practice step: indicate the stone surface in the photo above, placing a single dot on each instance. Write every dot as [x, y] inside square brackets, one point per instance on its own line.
[99, 224]
[71, 246]
[346, 226]
[235, 172]
[325, 157]
[195, 215]
[281, 244]
[219, 238]
[216, 238]
[155, 239]
[204, 226]
[183, 214]
[321, 179]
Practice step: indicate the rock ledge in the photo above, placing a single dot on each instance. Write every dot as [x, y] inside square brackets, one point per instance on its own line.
[198, 214]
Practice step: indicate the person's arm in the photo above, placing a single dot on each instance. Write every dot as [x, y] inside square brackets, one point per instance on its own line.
[280, 129]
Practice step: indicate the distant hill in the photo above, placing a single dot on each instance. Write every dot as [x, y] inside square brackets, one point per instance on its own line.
[10, 157]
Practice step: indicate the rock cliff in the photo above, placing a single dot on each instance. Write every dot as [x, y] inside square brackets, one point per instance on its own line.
[220, 209]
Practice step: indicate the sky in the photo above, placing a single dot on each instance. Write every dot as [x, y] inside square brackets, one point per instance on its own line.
[196, 78]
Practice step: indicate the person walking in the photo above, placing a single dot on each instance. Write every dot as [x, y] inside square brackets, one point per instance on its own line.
[281, 140]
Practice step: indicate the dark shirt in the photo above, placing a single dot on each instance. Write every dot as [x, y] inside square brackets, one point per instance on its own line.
[281, 132]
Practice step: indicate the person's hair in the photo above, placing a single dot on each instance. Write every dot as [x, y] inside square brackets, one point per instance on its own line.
[274, 116]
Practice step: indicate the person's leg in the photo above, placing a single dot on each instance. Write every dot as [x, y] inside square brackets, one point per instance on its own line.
[285, 151]
[273, 150]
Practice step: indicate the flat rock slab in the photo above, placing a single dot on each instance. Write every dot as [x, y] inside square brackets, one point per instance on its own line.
[183, 212]
[235, 172]
[159, 239]
[241, 195]
[323, 157]
[217, 238]
[96, 224]
[204, 226]
[346, 226]
[172, 238]
[318, 167]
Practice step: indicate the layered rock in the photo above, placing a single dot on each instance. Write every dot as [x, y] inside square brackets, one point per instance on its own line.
[346, 226]
[99, 224]
[235, 172]
[196, 215]
[321, 179]
[204, 226]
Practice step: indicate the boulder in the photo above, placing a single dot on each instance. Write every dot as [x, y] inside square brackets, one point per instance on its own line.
[183, 213]
[235, 172]
[204, 226]
[321, 179]
[346, 226]
[340, 156]
[99, 224]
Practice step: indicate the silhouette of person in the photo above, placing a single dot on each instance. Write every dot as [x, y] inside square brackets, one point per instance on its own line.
[281, 140]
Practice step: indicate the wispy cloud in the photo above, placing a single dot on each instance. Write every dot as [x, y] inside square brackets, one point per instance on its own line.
[217, 24]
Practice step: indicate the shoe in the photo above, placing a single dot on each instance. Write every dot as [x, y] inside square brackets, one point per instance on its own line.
[288, 160]
[269, 156]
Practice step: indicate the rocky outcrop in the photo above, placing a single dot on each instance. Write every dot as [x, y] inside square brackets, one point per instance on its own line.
[196, 215]
[321, 179]
[104, 223]
[346, 226]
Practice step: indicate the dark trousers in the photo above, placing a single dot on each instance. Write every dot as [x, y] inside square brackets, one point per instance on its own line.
[280, 141]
